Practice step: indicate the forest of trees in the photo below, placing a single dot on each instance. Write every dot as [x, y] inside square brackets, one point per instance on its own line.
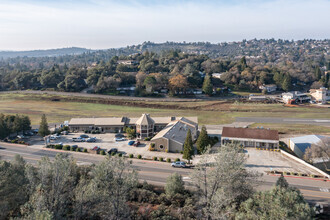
[172, 66]
[60, 189]
[13, 124]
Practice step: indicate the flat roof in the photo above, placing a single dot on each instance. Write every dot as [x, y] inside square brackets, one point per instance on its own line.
[304, 142]
[250, 133]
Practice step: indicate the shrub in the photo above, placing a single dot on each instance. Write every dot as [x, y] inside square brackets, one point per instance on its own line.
[120, 155]
[102, 152]
[155, 158]
[78, 149]
[181, 152]
[113, 153]
[166, 151]
[66, 147]
[139, 156]
[147, 139]
[168, 160]
[14, 141]
[85, 150]
[58, 147]
[161, 159]
[151, 148]
[177, 159]
[86, 132]
[130, 156]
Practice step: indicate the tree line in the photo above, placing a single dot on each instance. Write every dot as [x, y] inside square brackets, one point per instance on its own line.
[223, 189]
[13, 124]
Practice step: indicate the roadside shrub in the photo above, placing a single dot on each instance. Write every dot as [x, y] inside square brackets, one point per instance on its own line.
[86, 132]
[130, 156]
[177, 159]
[147, 139]
[168, 160]
[139, 156]
[155, 158]
[161, 159]
[85, 150]
[21, 142]
[78, 149]
[58, 147]
[166, 151]
[14, 141]
[151, 148]
[113, 153]
[120, 155]
[181, 152]
[102, 152]
[66, 147]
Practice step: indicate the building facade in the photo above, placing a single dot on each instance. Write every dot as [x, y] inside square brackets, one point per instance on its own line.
[295, 97]
[251, 137]
[320, 95]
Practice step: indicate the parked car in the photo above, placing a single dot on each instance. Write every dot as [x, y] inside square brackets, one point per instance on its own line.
[179, 164]
[64, 132]
[53, 137]
[74, 147]
[78, 139]
[96, 148]
[119, 135]
[84, 136]
[130, 143]
[119, 139]
[91, 139]
[136, 144]
[20, 136]
[113, 150]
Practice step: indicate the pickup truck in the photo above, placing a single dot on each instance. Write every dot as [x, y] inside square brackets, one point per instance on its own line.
[78, 139]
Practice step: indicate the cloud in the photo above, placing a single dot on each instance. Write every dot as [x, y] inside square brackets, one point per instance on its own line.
[104, 24]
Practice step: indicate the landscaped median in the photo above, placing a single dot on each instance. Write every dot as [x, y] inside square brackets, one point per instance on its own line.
[63, 148]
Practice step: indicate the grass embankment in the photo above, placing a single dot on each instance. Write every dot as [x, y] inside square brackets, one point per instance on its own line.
[208, 112]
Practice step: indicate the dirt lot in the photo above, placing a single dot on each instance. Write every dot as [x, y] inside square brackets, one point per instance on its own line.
[106, 142]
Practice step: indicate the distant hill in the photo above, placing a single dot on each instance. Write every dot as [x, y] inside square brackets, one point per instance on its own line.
[44, 53]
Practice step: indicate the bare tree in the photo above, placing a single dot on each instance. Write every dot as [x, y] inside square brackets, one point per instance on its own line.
[222, 183]
[320, 150]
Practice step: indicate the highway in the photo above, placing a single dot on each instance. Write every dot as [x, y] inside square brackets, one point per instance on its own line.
[157, 172]
[309, 121]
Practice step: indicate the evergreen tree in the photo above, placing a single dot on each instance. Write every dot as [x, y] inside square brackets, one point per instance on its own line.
[243, 63]
[207, 85]
[286, 85]
[203, 141]
[43, 128]
[188, 150]
[281, 182]
[318, 73]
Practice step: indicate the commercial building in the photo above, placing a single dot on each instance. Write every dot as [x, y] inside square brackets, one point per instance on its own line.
[295, 97]
[299, 144]
[173, 136]
[145, 126]
[251, 137]
[269, 88]
[320, 95]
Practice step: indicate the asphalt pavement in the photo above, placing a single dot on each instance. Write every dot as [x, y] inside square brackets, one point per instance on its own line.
[309, 121]
[154, 172]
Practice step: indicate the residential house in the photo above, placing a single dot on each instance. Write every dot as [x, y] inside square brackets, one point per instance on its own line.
[251, 137]
[269, 88]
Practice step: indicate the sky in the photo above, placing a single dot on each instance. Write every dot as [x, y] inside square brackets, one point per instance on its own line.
[102, 24]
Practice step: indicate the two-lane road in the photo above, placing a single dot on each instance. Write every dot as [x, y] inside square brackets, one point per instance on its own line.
[157, 172]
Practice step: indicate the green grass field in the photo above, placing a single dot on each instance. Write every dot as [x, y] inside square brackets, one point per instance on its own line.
[208, 112]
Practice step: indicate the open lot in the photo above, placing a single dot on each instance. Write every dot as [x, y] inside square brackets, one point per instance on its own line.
[213, 112]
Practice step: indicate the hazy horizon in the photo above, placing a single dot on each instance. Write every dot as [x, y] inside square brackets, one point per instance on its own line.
[99, 24]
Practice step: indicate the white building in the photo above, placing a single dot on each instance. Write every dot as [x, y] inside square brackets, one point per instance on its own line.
[269, 88]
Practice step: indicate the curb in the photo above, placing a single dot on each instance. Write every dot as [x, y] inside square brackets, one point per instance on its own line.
[300, 177]
[15, 145]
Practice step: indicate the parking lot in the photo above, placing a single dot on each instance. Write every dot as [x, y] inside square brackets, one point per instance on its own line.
[107, 142]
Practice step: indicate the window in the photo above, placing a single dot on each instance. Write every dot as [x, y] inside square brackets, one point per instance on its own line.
[161, 146]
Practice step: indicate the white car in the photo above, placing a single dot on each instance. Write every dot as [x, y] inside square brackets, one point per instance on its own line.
[119, 139]
[179, 164]
[52, 137]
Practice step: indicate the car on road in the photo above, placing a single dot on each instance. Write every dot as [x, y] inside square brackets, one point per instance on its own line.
[20, 136]
[136, 144]
[84, 136]
[119, 135]
[53, 137]
[179, 164]
[130, 143]
[113, 150]
[91, 139]
[96, 148]
[119, 139]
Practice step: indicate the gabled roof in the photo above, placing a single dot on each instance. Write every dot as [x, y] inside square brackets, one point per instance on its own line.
[176, 130]
[145, 119]
[305, 142]
[250, 133]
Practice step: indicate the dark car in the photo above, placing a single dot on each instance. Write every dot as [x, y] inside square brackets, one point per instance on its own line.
[91, 140]
[130, 143]
[84, 136]
[136, 144]
[74, 147]
[119, 135]
[113, 150]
